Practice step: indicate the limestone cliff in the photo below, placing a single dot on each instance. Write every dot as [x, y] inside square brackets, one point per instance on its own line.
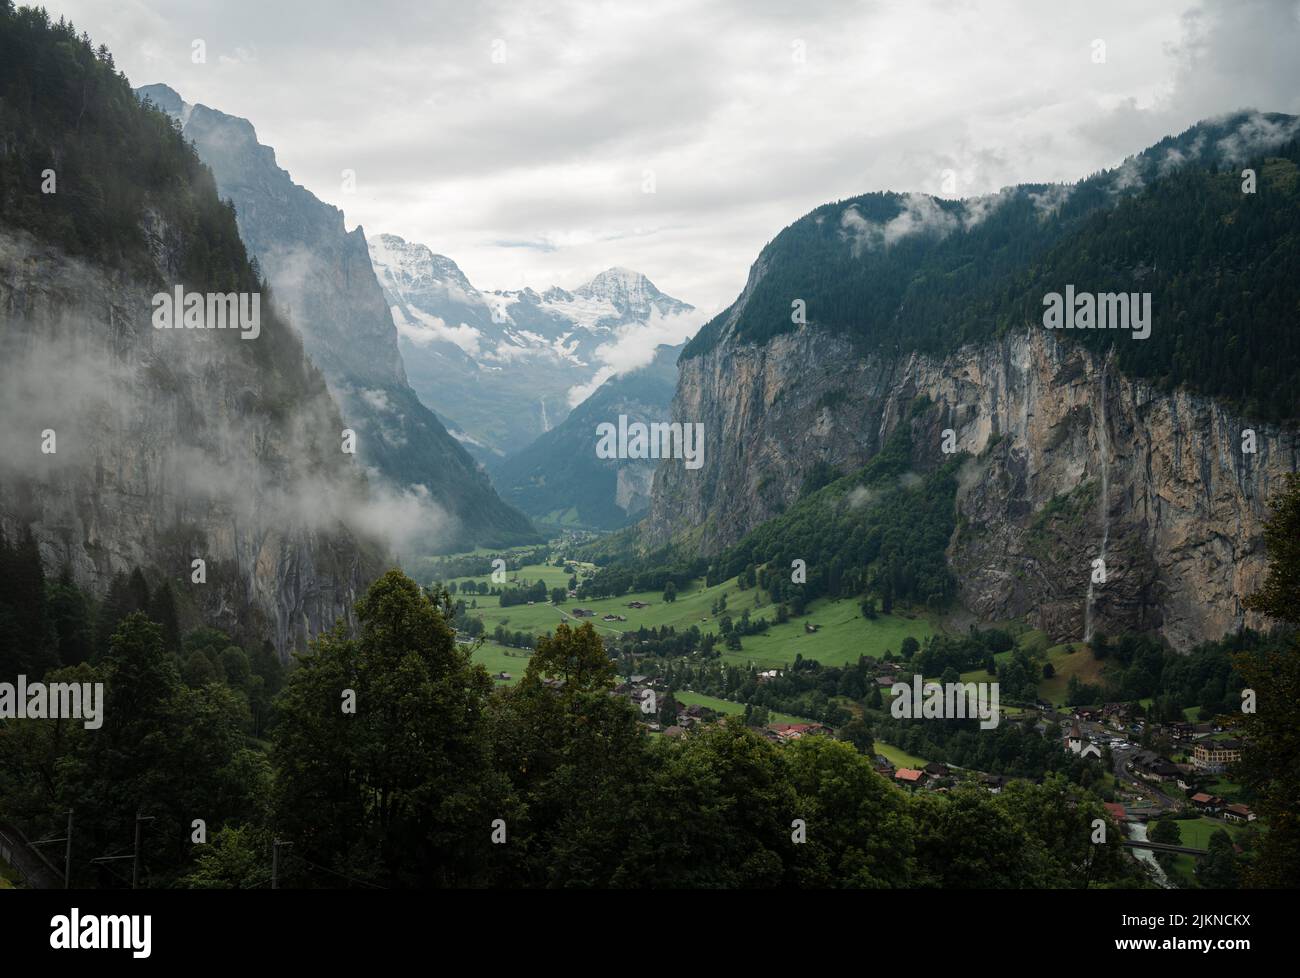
[172, 445]
[1049, 424]
[325, 286]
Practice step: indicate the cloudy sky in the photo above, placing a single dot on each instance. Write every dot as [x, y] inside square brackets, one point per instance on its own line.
[521, 138]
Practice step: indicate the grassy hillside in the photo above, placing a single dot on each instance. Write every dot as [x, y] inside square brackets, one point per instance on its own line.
[1070, 660]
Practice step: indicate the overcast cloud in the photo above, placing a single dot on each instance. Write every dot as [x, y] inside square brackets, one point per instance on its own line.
[531, 171]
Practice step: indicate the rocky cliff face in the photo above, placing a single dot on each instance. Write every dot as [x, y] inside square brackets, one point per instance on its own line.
[171, 445]
[1071, 462]
[434, 495]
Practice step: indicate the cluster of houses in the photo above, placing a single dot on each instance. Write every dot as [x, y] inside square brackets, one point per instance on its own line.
[591, 613]
[1123, 723]
[1208, 756]
[937, 777]
[889, 672]
[1209, 804]
[639, 689]
[688, 718]
[783, 733]
[1151, 767]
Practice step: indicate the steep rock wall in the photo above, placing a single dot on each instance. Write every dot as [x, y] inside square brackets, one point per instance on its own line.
[1183, 509]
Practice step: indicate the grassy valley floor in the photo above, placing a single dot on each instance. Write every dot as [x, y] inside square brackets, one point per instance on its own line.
[841, 635]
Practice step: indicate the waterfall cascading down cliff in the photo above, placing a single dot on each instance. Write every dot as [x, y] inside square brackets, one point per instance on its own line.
[1184, 507]
[1103, 444]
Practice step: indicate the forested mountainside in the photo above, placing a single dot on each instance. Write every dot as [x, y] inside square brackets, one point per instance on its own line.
[910, 272]
[1142, 443]
[127, 446]
[560, 479]
[327, 290]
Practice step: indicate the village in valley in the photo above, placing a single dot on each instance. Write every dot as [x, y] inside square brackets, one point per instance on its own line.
[1175, 778]
[1151, 773]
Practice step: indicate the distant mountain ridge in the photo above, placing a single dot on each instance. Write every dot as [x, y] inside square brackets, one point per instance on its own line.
[323, 279]
[502, 365]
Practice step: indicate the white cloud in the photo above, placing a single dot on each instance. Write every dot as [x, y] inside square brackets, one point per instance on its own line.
[551, 148]
[428, 328]
[917, 214]
[634, 345]
[1049, 201]
[377, 399]
[1257, 133]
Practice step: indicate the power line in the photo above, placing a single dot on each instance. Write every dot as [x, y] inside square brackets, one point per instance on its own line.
[350, 879]
[67, 855]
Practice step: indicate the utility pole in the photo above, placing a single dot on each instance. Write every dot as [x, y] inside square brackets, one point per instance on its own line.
[135, 862]
[67, 857]
[275, 862]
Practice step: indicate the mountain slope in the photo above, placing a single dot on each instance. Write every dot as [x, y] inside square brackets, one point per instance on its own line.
[128, 446]
[323, 278]
[1087, 445]
[904, 272]
[559, 478]
[507, 366]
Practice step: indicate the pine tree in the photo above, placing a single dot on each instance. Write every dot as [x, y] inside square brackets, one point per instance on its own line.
[117, 604]
[71, 621]
[139, 588]
[162, 609]
[34, 649]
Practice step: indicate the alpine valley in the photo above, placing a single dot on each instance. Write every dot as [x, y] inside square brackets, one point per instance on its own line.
[967, 534]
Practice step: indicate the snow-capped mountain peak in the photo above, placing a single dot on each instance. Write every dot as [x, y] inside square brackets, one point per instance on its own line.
[414, 266]
[490, 359]
[629, 292]
[618, 282]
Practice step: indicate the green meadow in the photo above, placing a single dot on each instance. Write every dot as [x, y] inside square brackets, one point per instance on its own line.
[729, 708]
[899, 757]
[498, 659]
[1196, 832]
[842, 633]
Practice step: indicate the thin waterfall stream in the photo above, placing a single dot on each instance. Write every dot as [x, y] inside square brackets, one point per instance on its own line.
[1103, 443]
